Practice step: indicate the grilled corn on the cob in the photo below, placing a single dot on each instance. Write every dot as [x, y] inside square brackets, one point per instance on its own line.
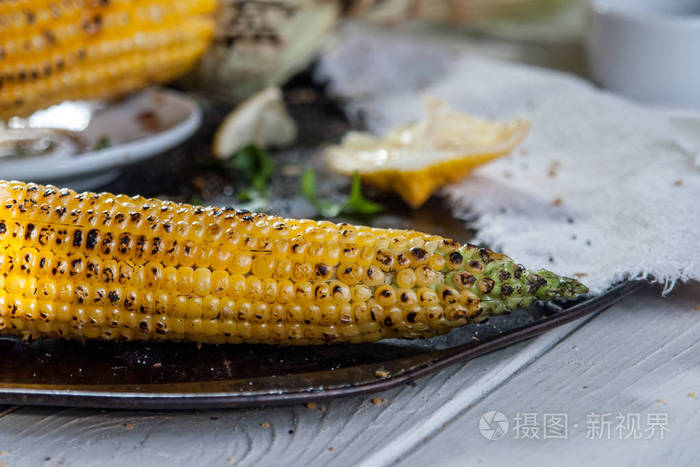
[78, 49]
[116, 267]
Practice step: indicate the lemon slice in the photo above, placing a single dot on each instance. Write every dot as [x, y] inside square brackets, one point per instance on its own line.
[416, 159]
[262, 119]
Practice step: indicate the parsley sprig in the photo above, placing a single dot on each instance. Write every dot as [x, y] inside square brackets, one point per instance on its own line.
[355, 203]
[257, 167]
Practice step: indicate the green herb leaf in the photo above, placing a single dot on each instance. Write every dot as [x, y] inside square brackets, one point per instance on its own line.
[308, 185]
[245, 196]
[243, 160]
[308, 189]
[357, 202]
[255, 163]
[102, 143]
[252, 200]
[195, 200]
[257, 167]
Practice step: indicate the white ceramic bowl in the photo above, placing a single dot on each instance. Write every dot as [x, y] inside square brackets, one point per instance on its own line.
[647, 50]
[177, 116]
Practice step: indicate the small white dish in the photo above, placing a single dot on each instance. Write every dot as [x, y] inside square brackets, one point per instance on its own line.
[648, 50]
[141, 126]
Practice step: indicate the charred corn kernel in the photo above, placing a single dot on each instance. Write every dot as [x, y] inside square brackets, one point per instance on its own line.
[323, 272]
[350, 273]
[303, 292]
[67, 271]
[385, 296]
[414, 314]
[55, 51]
[385, 260]
[349, 253]
[321, 293]
[448, 295]
[427, 296]
[407, 297]
[373, 276]
[295, 314]
[402, 261]
[340, 292]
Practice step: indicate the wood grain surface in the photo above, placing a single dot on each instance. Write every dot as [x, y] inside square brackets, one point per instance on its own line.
[640, 357]
[341, 432]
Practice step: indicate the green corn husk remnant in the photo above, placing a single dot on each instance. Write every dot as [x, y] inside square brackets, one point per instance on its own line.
[502, 285]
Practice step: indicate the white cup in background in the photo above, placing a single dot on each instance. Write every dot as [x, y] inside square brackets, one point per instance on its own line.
[648, 50]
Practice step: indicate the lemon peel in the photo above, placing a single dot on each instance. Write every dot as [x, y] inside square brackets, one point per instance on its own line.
[415, 159]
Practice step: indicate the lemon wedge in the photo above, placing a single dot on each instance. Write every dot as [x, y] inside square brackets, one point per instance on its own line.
[416, 159]
[262, 119]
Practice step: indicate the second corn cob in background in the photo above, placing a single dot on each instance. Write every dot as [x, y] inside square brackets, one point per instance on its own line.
[52, 51]
[109, 266]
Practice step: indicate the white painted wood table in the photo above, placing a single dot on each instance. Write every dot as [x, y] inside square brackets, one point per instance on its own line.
[638, 359]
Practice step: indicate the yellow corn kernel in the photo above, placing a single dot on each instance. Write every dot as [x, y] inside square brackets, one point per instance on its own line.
[436, 262]
[117, 267]
[201, 284]
[406, 279]
[263, 266]
[241, 263]
[269, 290]
[211, 307]
[285, 292]
[55, 51]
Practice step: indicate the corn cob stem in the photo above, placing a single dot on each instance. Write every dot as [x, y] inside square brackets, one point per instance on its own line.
[129, 268]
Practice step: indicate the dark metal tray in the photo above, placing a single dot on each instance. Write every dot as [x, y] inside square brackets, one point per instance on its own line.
[185, 376]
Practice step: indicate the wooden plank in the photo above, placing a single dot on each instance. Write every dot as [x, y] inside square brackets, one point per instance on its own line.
[345, 431]
[641, 357]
